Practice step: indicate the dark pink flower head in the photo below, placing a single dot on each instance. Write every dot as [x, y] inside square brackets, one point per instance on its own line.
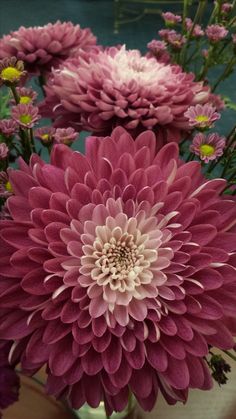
[171, 19]
[197, 30]
[4, 150]
[158, 49]
[173, 38]
[226, 8]
[118, 270]
[119, 86]
[65, 135]
[202, 116]
[208, 147]
[9, 381]
[216, 33]
[8, 127]
[43, 47]
[25, 115]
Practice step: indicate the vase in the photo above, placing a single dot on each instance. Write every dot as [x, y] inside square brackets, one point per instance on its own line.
[87, 412]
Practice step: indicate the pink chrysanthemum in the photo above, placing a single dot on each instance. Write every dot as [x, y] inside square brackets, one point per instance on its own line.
[202, 116]
[118, 270]
[217, 101]
[9, 380]
[65, 135]
[43, 47]
[4, 150]
[171, 19]
[8, 127]
[25, 115]
[216, 33]
[121, 87]
[208, 147]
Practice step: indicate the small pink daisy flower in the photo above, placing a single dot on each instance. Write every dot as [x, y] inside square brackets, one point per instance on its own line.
[11, 71]
[171, 19]
[8, 127]
[201, 116]
[5, 186]
[216, 33]
[26, 95]
[226, 8]
[65, 135]
[45, 134]
[25, 115]
[172, 37]
[208, 147]
[4, 150]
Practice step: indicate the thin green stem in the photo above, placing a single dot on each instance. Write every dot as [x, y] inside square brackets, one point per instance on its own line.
[230, 355]
[225, 73]
[15, 95]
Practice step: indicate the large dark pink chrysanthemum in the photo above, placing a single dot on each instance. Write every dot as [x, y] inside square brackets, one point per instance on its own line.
[121, 87]
[118, 270]
[42, 47]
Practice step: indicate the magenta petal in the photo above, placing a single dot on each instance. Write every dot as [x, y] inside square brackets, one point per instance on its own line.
[111, 357]
[91, 362]
[177, 373]
[156, 356]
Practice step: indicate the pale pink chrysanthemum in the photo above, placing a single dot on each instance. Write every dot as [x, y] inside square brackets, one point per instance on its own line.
[158, 49]
[171, 18]
[8, 127]
[26, 115]
[43, 47]
[208, 147]
[118, 271]
[197, 30]
[65, 135]
[217, 101]
[216, 33]
[4, 150]
[119, 86]
[202, 116]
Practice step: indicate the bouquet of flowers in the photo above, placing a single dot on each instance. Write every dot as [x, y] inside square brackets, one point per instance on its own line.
[118, 266]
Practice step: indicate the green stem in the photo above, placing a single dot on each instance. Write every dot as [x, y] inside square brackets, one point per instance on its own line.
[225, 73]
[42, 82]
[15, 95]
[31, 134]
[230, 355]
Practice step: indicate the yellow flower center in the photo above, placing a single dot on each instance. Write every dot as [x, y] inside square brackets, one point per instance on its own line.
[207, 150]
[8, 186]
[25, 119]
[10, 74]
[25, 100]
[202, 118]
[45, 137]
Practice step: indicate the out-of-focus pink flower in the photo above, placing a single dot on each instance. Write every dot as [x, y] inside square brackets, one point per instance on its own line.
[121, 87]
[197, 30]
[25, 115]
[8, 127]
[171, 19]
[4, 150]
[217, 101]
[9, 380]
[119, 271]
[202, 116]
[226, 8]
[205, 53]
[26, 95]
[158, 49]
[5, 186]
[175, 39]
[65, 135]
[43, 47]
[208, 147]
[11, 70]
[234, 38]
[216, 33]
[45, 134]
